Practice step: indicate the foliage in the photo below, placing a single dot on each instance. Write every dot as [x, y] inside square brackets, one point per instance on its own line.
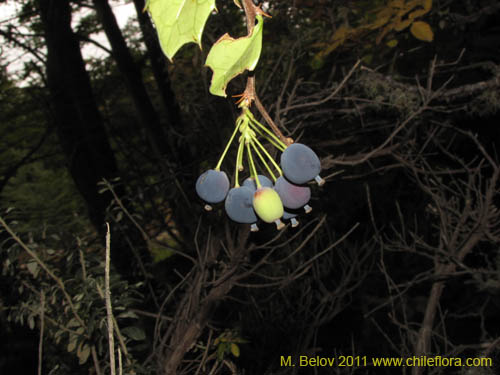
[384, 18]
[34, 179]
[227, 343]
[45, 200]
[230, 57]
[179, 22]
[182, 22]
[81, 268]
[406, 227]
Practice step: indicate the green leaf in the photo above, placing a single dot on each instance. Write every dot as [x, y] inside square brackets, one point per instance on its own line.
[159, 251]
[392, 43]
[317, 62]
[33, 268]
[179, 22]
[135, 333]
[367, 59]
[83, 352]
[128, 314]
[221, 349]
[229, 57]
[73, 323]
[235, 350]
[31, 321]
[72, 343]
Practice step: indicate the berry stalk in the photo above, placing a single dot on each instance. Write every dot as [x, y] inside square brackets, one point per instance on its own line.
[253, 170]
[238, 123]
[263, 161]
[239, 163]
[276, 166]
[281, 146]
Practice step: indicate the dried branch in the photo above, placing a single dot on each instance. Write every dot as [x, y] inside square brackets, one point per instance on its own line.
[456, 93]
[42, 329]
[109, 310]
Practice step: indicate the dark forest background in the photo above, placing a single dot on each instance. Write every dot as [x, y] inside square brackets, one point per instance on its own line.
[399, 257]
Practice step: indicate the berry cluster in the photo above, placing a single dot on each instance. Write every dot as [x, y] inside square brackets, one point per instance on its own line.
[259, 196]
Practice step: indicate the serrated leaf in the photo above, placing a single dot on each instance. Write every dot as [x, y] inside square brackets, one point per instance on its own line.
[235, 350]
[422, 31]
[135, 333]
[230, 57]
[179, 22]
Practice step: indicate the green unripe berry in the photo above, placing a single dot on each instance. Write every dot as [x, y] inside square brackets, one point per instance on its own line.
[267, 204]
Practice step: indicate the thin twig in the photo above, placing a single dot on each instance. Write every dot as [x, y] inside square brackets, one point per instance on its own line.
[42, 327]
[96, 360]
[120, 367]
[385, 143]
[117, 332]
[145, 236]
[328, 97]
[109, 311]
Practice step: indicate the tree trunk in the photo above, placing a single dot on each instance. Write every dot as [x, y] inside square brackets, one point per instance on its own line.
[147, 113]
[158, 66]
[79, 124]
[164, 141]
[176, 125]
[80, 127]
